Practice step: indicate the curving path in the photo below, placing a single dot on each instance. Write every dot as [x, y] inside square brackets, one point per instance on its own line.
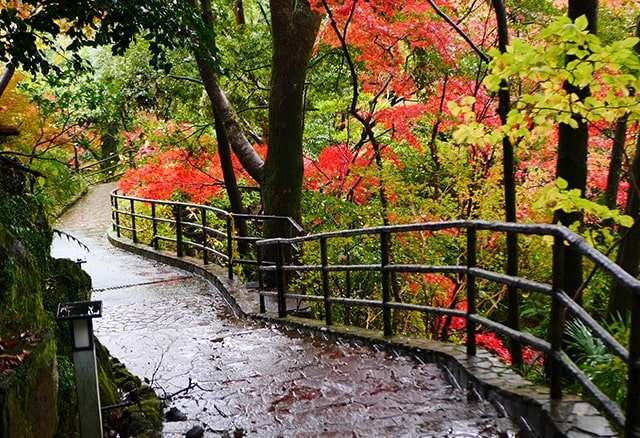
[249, 379]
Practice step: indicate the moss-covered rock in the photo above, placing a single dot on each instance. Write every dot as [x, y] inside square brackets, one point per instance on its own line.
[141, 412]
[106, 380]
[143, 419]
[21, 287]
[67, 282]
[67, 406]
[37, 388]
[28, 393]
[28, 382]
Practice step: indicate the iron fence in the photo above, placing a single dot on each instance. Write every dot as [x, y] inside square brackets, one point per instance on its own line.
[107, 169]
[142, 221]
[192, 229]
[558, 362]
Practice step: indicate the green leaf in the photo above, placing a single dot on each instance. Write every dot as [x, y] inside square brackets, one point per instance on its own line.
[582, 22]
[562, 183]
[626, 221]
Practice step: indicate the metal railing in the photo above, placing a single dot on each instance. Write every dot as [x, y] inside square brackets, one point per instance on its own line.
[142, 221]
[107, 169]
[191, 229]
[390, 264]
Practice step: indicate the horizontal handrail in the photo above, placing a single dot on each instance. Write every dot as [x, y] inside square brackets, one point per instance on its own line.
[563, 238]
[221, 242]
[177, 228]
[569, 236]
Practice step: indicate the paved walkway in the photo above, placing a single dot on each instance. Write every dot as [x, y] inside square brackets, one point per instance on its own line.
[256, 380]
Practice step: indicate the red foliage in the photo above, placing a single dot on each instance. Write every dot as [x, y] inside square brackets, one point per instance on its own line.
[340, 172]
[445, 298]
[159, 173]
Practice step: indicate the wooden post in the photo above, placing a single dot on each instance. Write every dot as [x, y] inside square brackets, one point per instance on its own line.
[115, 216]
[263, 306]
[154, 240]
[230, 229]
[205, 239]
[133, 222]
[281, 279]
[179, 251]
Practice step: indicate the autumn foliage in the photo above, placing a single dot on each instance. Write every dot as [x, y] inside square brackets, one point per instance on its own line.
[401, 126]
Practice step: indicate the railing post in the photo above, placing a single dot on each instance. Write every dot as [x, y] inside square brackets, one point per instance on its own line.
[230, 229]
[513, 294]
[386, 287]
[471, 291]
[263, 307]
[325, 281]
[154, 224]
[281, 280]
[632, 424]
[179, 251]
[115, 215]
[133, 223]
[347, 308]
[556, 322]
[205, 239]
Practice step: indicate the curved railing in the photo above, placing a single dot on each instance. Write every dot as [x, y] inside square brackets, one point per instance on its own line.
[159, 223]
[191, 229]
[106, 169]
[561, 303]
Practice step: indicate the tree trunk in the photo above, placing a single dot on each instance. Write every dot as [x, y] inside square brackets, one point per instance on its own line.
[572, 154]
[231, 185]
[238, 11]
[628, 256]
[615, 164]
[294, 29]
[249, 158]
[629, 252]
[7, 74]
[109, 148]
[508, 167]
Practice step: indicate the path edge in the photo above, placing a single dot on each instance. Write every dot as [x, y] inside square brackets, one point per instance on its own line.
[483, 375]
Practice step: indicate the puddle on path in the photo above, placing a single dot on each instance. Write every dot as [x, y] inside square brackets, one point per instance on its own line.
[250, 379]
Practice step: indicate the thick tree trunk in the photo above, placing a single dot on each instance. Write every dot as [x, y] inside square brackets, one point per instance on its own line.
[294, 30]
[572, 154]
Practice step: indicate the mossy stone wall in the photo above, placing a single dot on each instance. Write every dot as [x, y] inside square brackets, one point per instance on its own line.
[28, 394]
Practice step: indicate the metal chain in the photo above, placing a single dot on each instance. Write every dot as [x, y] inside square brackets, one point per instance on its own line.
[125, 286]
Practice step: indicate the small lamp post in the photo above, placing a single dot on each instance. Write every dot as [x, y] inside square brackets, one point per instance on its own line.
[80, 313]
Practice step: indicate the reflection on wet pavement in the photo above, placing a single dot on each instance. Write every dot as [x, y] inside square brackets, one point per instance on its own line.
[249, 379]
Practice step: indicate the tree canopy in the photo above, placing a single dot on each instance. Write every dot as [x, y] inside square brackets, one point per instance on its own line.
[346, 113]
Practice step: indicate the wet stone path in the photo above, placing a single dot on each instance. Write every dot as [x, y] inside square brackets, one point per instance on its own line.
[249, 379]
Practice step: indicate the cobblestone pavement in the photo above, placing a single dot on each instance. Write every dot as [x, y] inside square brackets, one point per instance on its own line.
[249, 379]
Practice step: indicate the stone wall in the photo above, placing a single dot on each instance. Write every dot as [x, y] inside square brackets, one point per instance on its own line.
[28, 394]
[28, 373]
